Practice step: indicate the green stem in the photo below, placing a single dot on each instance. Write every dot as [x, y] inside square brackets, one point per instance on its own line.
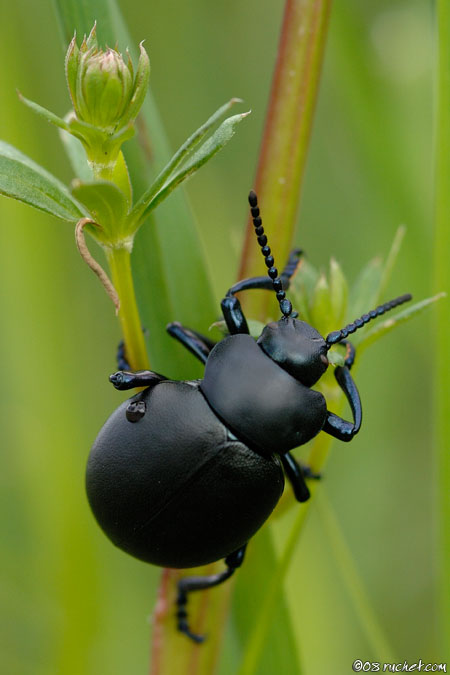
[258, 638]
[119, 263]
[353, 582]
[286, 136]
[442, 283]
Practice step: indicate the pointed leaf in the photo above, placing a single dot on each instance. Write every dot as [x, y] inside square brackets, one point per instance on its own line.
[43, 112]
[392, 322]
[302, 288]
[180, 155]
[338, 293]
[391, 260]
[364, 295]
[320, 306]
[209, 148]
[71, 67]
[23, 179]
[336, 358]
[140, 85]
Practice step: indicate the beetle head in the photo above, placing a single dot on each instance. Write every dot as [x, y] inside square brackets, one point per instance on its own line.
[297, 348]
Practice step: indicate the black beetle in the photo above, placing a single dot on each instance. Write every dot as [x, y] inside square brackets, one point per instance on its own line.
[184, 473]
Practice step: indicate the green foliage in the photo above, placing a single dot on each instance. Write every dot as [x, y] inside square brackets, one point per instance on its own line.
[328, 304]
[23, 179]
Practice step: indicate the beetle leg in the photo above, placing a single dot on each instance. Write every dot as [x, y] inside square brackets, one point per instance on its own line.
[189, 584]
[231, 307]
[336, 426]
[266, 283]
[350, 353]
[127, 379]
[122, 363]
[198, 344]
[121, 357]
[233, 315]
[296, 474]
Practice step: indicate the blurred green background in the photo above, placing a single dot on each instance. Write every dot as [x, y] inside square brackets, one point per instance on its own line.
[70, 602]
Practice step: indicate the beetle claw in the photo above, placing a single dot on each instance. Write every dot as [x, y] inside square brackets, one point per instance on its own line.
[183, 625]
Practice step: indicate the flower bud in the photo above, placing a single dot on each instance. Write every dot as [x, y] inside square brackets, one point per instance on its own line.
[103, 87]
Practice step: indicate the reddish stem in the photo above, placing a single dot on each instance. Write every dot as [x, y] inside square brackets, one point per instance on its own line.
[286, 136]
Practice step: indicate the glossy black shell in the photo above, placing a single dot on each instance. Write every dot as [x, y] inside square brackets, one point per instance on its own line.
[176, 489]
[260, 402]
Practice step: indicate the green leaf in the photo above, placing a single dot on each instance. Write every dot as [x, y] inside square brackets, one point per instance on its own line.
[221, 330]
[364, 293]
[335, 357]
[302, 288]
[338, 293]
[107, 205]
[43, 112]
[391, 260]
[77, 156]
[320, 306]
[386, 326]
[180, 155]
[172, 229]
[209, 148]
[279, 652]
[23, 179]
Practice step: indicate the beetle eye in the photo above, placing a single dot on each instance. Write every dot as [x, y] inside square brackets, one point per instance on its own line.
[324, 359]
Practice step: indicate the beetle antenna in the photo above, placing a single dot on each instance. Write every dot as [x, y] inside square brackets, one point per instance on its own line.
[338, 335]
[285, 304]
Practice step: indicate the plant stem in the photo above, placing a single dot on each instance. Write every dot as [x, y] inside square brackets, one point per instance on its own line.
[442, 329]
[119, 263]
[286, 136]
[258, 637]
[353, 583]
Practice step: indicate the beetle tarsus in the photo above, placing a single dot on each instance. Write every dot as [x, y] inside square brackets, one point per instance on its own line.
[182, 622]
[189, 584]
[309, 473]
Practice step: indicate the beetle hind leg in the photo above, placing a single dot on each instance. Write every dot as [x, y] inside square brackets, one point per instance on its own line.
[189, 584]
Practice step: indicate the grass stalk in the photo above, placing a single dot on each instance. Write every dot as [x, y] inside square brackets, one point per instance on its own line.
[442, 329]
[353, 583]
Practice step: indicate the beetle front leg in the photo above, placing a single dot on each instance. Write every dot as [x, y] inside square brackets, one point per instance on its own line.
[127, 379]
[196, 343]
[189, 584]
[336, 426]
[231, 307]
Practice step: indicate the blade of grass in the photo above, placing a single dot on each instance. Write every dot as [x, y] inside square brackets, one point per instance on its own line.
[442, 283]
[353, 583]
[273, 591]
